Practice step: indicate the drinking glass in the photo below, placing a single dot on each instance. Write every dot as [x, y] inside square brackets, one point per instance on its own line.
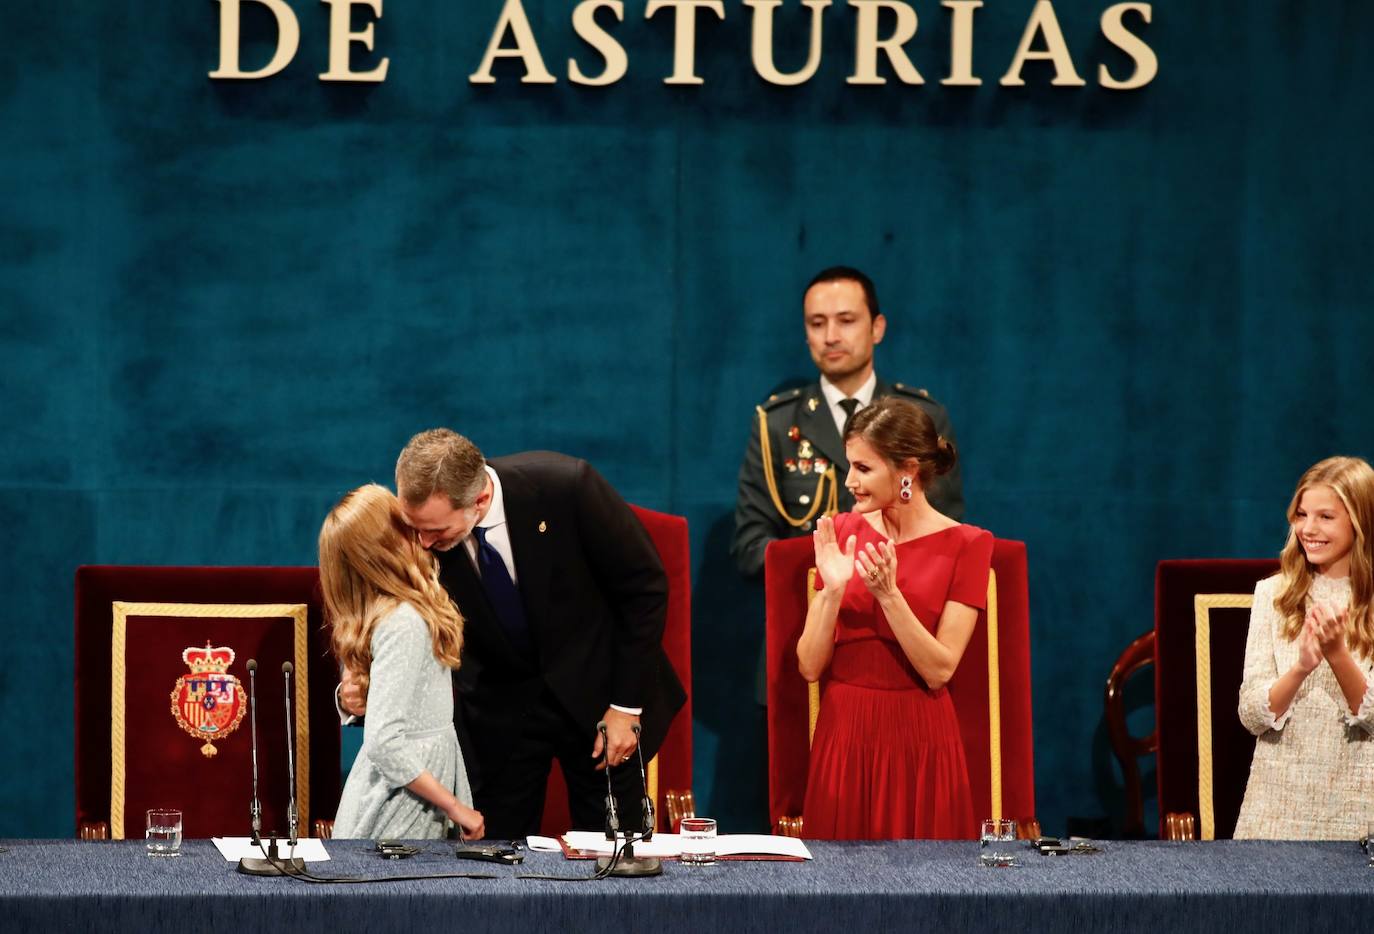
[997, 843]
[698, 841]
[163, 834]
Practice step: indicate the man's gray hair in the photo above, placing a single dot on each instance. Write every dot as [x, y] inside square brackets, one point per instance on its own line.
[440, 461]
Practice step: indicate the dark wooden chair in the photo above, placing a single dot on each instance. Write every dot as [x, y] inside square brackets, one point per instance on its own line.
[1127, 748]
[991, 690]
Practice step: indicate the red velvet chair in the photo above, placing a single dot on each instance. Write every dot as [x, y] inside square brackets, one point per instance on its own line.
[1202, 616]
[160, 719]
[669, 773]
[991, 689]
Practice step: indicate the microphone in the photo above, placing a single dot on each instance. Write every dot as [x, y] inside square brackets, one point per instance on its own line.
[624, 862]
[271, 864]
[612, 814]
[292, 818]
[647, 803]
[255, 809]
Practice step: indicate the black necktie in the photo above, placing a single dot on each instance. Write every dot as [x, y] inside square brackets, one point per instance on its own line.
[505, 599]
[849, 405]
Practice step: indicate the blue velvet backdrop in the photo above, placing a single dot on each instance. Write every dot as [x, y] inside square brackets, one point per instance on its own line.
[223, 304]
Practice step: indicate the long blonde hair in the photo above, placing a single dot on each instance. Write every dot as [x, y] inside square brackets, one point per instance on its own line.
[1352, 480]
[370, 562]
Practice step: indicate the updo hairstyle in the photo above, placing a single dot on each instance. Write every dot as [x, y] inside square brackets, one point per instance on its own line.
[899, 431]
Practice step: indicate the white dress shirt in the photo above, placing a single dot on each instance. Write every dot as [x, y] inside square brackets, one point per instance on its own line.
[497, 532]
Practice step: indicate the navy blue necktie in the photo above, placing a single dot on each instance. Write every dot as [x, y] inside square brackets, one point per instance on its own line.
[505, 599]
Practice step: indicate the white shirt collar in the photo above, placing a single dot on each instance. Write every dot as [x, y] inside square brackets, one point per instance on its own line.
[497, 532]
[833, 397]
[496, 512]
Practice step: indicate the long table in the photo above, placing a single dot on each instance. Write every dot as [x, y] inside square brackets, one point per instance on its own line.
[1239, 887]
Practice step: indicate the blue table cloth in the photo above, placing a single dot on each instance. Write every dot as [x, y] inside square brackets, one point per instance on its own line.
[1235, 886]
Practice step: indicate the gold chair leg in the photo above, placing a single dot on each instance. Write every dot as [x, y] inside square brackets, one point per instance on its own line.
[93, 830]
[1180, 826]
[680, 804]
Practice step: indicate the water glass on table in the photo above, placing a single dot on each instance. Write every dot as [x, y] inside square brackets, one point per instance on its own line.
[698, 835]
[997, 843]
[162, 836]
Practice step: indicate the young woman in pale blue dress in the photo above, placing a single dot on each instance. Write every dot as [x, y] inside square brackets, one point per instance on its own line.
[395, 623]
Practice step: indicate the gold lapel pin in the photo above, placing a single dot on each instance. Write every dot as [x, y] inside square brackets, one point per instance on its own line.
[543, 526]
[812, 404]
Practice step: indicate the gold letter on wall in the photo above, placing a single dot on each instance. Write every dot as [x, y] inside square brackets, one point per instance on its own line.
[961, 44]
[685, 35]
[1043, 20]
[288, 40]
[1146, 64]
[584, 24]
[763, 42]
[526, 49]
[341, 36]
[867, 43]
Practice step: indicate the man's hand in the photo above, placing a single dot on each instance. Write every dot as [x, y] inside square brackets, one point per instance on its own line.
[622, 739]
[351, 694]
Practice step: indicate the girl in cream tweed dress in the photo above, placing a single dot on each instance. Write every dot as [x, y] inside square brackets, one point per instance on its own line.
[1308, 692]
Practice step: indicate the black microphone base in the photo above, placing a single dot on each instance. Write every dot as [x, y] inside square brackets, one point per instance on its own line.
[631, 866]
[253, 866]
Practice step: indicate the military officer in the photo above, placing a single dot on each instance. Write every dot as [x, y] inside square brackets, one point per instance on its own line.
[794, 469]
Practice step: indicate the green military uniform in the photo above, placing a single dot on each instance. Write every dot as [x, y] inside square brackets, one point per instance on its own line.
[802, 478]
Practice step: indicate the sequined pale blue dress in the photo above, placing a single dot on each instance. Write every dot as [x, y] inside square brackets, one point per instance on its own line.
[408, 729]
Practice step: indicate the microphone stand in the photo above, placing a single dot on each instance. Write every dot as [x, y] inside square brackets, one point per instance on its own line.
[255, 809]
[647, 804]
[627, 864]
[292, 817]
[272, 864]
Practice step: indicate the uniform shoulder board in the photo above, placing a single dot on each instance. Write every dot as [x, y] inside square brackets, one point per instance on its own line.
[778, 398]
[904, 390]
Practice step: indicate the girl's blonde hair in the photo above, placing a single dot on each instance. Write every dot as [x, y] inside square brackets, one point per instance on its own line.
[1352, 480]
[370, 562]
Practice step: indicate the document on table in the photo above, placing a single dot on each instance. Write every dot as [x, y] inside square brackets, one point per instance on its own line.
[234, 849]
[669, 845]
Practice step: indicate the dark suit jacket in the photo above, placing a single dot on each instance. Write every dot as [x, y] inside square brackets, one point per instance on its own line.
[595, 597]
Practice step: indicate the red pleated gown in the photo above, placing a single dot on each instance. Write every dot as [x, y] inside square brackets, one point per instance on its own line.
[887, 761]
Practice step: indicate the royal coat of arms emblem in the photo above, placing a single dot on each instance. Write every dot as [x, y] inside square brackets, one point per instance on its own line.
[208, 702]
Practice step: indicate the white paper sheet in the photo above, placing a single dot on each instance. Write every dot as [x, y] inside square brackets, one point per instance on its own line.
[670, 844]
[234, 849]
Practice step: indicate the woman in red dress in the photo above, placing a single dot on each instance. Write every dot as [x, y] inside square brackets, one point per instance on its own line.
[895, 610]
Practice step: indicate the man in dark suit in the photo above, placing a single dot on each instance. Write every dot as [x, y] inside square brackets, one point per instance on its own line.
[564, 601]
[794, 467]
